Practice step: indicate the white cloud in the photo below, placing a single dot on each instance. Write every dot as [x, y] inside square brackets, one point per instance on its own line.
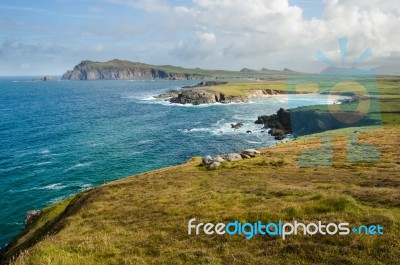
[228, 34]
[256, 31]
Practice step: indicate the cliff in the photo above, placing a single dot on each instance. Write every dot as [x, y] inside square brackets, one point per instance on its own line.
[117, 69]
[301, 121]
[205, 93]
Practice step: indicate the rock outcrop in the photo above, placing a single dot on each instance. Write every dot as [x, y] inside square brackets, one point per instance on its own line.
[199, 94]
[117, 69]
[304, 121]
[47, 78]
[31, 216]
[279, 123]
[215, 162]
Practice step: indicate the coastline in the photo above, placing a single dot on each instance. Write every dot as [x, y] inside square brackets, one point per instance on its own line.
[212, 92]
[187, 182]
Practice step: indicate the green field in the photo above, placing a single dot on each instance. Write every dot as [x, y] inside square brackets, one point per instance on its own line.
[143, 219]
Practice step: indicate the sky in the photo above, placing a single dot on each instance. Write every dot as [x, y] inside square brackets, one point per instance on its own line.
[50, 37]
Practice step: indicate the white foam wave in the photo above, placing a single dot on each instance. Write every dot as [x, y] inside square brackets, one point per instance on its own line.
[55, 186]
[222, 127]
[165, 102]
[253, 142]
[57, 199]
[44, 152]
[145, 141]
[86, 187]
[79, 165]
[148, 98]
[137, 152]
[43, 163]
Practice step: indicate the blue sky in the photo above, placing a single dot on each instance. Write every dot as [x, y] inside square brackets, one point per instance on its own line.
[50, 37]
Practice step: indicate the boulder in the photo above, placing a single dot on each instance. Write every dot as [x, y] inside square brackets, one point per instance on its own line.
[195, 97]
[215, 165]
[237, 125]
[245, 156]
[47, 78]
[250, 152]
[232, 157]
[218, 159]
[207, 160]
[32, 216]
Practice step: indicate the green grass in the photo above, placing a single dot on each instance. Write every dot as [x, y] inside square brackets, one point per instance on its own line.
[240, 88]
[143, 219]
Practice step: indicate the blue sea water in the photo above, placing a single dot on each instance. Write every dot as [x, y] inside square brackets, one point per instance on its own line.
[60, 137]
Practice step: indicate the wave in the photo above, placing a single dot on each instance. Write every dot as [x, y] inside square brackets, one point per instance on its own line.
[253, 142]
[222, 127]
[137, 153]
[12, 224]
[206, 105]
[44, 152]
[79, 165]
[57, 199]
[43, 163]
[145, 141]
[147, 98]
[55, 186]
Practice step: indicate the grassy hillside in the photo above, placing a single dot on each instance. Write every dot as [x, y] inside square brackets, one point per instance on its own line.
[143, 219]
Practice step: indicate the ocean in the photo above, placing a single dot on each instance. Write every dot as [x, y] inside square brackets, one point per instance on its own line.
[61, 137]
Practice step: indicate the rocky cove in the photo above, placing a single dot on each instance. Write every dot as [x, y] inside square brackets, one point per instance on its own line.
[296, 122]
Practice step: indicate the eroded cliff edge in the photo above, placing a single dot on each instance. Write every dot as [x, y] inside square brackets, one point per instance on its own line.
[203, 94]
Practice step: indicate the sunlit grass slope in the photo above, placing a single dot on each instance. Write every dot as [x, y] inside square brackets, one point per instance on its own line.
[143, 219]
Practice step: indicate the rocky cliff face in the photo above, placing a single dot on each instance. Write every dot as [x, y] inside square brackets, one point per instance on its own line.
[87, 70]
[303, 122]
[199, 94]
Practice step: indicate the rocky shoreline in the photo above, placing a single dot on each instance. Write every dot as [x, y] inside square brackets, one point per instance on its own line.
[200, 94]
[279, 123]
[298, 121]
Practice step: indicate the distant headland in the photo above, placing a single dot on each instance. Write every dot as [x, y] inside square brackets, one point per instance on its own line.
[120, 69]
